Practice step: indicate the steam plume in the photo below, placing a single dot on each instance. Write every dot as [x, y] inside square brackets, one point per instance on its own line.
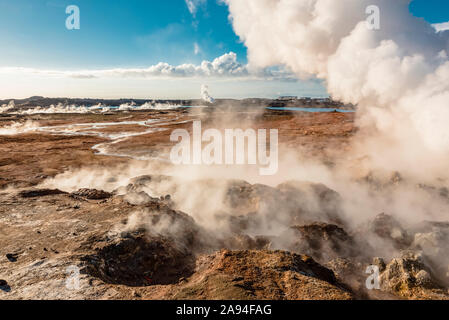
[205, 94]
[398, 75]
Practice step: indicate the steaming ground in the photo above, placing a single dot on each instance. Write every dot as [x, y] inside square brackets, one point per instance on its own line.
[96, 191]
[92, 188]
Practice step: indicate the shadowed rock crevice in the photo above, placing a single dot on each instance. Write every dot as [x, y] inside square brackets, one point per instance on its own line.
[40, 193]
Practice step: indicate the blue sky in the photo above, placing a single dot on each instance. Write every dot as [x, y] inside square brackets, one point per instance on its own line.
[113, 33]
[434, 11]
[135, 34]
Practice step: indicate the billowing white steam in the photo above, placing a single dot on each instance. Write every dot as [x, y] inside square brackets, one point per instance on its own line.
[19, 128]
[6, 107]
[59, 108]
[148, 106]
[398, 75]
[76, 109]
[205, 96]
[127, 106]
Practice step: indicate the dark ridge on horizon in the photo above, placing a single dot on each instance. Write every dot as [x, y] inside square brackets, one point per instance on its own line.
[35, 101]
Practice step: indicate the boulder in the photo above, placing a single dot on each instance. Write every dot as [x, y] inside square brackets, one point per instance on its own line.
[245, 242]
[142, 183]
[407, 274]
[91, 194]
[308, 202]
[138, 198]
[433, 239]
[322, 241]
[261, 275]
[136, 259]
[389, 229]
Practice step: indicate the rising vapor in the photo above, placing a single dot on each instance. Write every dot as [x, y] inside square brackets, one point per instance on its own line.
[205, 96]
[398, 75]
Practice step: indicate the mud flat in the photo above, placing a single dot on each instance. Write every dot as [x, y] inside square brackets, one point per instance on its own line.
[52, 143]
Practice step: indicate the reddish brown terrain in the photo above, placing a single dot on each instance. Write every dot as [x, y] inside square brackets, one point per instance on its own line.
[135, 231]
[27, 159]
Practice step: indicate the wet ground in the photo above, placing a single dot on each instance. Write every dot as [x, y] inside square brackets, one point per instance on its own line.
[53, 143]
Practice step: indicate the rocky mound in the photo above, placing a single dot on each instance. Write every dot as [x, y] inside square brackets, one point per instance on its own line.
[246, 242]
[136, 259]
[310, 202]
[293, 202]
[432, 239]
[143, 183]
[388, 228]
[136, 245]
[243, 205]
[261, 275]
[323, 241]
[410, 276]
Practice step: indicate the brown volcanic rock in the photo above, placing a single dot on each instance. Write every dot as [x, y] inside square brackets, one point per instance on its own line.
[245, 242]
[289, 203]
[242, 196]
[265, 275]
[245, 206]
[138, 184]
[323, 241]
[146, 180]
[308, 202]
[388, 228]
[162, 220]
[409, 276]
[353, 274]
[137, 259]
[35, 193]
[92, 194]
[158, 219]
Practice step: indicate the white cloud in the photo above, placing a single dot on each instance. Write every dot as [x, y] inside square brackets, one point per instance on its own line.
[196, 48]
[193, 5]
[441, 26]
[225, 66]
